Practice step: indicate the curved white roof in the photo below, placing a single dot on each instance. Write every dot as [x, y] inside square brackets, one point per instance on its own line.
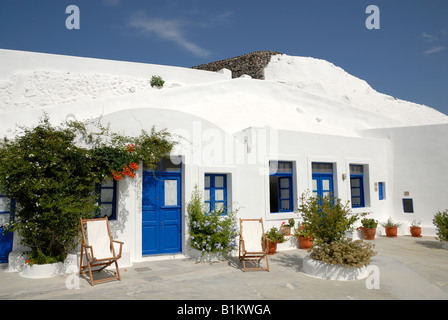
[303, 94]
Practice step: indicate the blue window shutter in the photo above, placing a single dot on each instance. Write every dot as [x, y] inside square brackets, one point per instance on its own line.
[380, 191]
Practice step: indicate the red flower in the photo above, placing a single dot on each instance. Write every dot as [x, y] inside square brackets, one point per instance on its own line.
[127, 171]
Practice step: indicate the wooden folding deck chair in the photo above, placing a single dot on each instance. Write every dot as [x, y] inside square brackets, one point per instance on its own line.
[98, 247]
[251, 238]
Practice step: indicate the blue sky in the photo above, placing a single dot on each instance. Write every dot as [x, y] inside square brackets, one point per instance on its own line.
[406, 58]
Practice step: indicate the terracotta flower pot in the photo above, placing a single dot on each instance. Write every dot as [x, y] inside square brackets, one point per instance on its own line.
[286, 231]
[272, 247]
[369, 234]
[391, 232]
[416, 231]
[305, 243]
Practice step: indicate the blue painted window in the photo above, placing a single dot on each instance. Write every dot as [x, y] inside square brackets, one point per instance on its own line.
[357, 185]
[107, 199]
[381, 191]
[408, 206]
[6, 209]
[215, 192]
[322, 175]
[281, 186]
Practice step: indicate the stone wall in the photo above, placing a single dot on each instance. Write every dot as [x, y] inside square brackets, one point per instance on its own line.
[252, 64]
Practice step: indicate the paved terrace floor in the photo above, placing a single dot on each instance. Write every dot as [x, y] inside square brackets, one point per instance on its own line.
[410, 268]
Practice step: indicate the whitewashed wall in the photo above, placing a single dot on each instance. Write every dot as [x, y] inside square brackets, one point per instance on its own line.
[419, 171]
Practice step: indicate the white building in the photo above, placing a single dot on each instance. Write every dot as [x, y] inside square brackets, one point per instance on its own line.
[257, 143]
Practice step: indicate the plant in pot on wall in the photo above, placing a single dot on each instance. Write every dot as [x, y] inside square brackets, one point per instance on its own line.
[273, 236]
[368, 228]
[332, 255]
[391, 227]
[415, 228]
[305, 239]
[286, 227]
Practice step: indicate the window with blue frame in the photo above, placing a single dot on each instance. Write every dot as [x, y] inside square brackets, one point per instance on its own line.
[408, 206]
[107, 200]
[322, 176]
[381, 190]
[281, 186]
[6, 209]
[215, 192]
[357, 185]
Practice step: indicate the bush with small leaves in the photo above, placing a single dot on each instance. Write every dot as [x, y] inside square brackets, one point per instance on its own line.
[157, 81]
[440, 220]
[345, 252]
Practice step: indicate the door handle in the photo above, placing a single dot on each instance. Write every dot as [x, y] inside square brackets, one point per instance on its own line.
[162, 224]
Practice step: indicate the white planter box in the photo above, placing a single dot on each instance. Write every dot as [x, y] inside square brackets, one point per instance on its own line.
[40, 271]
[323, 270]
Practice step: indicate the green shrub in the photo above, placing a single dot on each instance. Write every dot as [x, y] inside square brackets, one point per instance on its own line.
[344, 252]
[440, 221]
[157, 81]
[211, 232]
[326, 218]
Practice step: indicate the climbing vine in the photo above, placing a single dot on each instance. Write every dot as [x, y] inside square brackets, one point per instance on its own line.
[51, 172]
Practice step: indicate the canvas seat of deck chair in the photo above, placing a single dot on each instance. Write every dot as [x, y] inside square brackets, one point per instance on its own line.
[98, 249]
[251, 247]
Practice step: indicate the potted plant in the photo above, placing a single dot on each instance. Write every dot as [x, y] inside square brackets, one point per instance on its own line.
[415, 228]
[286, 227]
[305, 239]
[332, 255]
[273, 236]
[391, 227]
[368, 227]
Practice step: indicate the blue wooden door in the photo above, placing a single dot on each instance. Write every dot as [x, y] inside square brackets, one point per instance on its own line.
[161, 213]
[322, 184]
[6, 240]
[5, 245]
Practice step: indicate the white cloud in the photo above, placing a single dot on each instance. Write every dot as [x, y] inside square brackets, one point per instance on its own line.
[429, 37]
[434, 49]
[168, 29]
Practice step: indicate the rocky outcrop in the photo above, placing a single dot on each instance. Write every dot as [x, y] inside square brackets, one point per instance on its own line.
[252, 64]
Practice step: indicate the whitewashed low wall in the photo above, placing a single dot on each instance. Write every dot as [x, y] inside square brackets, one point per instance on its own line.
[17, 264]
[328, 271]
